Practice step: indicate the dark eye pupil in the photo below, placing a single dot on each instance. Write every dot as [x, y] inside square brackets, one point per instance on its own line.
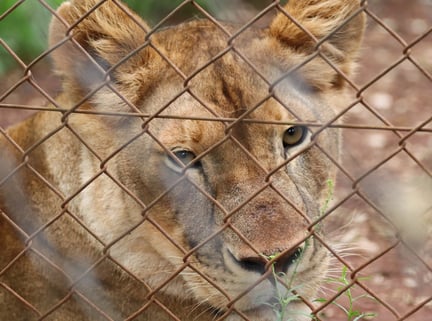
[186, 157]
[183, 154]
[292, 131]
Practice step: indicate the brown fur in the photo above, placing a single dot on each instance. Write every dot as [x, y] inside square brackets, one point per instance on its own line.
[91, 222]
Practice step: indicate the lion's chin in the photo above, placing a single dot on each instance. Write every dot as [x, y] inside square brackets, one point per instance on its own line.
[297, 311]
[268, 308]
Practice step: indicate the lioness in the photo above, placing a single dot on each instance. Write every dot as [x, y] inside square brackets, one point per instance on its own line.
[177, 180]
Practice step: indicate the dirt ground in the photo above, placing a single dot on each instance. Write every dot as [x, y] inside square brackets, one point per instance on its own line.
[394, 202]
[399, 187]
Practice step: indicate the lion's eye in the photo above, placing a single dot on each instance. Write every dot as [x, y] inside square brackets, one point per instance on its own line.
[294, 135]
[184, 156]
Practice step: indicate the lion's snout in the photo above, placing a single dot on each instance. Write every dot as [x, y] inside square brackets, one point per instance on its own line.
[280, 262]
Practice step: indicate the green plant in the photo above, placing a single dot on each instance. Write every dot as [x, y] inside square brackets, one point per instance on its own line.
[351, 311]
[284, 298]
[329, 196]
[288, 295]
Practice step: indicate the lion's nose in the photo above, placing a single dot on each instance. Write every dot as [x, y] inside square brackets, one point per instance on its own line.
[281, 264]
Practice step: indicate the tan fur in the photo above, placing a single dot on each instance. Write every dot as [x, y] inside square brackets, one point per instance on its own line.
[95, 209]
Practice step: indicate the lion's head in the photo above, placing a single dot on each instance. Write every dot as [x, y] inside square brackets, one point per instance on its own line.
[212, 138]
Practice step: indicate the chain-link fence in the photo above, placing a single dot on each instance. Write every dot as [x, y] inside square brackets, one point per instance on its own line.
[186, 172]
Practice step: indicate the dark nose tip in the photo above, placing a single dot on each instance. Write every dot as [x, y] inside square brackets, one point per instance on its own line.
[281, 264]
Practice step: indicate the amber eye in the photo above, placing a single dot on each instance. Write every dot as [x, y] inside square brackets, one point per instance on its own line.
[184, 156]
[294, 135]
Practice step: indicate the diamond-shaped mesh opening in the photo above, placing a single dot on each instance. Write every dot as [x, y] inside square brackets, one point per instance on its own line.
[227, 225]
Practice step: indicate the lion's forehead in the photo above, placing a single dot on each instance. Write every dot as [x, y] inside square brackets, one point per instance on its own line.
[233, 74]
[214, 44]
[243, 82]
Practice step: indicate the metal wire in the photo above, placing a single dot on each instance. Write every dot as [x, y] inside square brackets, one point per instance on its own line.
[403, 134]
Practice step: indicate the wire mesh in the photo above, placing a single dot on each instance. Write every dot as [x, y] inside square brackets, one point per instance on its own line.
[378, 217]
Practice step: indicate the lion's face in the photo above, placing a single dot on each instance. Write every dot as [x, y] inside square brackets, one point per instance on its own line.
[227, 164]
[231, 193]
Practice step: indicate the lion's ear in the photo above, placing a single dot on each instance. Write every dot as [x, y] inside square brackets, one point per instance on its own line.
[303, 23]
[93, 36]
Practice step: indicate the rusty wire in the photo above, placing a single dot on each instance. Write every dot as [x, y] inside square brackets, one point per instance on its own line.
[403, 134]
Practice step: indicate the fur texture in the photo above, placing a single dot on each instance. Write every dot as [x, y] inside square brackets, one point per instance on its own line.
[100, 211]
